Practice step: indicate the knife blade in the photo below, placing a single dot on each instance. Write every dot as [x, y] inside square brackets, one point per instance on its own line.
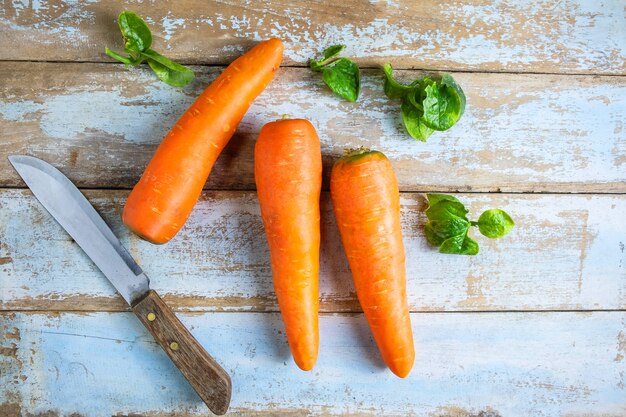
[76, 215]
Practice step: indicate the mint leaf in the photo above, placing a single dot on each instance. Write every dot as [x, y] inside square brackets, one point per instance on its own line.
[393, 89]
[333, 51]
[341, 75]
[442, 106]
[459, 245]
[412, 118]
[427, 104]
[449, 82]
[446, 210]
[136, 32]
[495, 223]
[175, 75]
[436, 198]
[138, 40]
[343, 78]
[438, 231]
[330, 53]
[448, 225]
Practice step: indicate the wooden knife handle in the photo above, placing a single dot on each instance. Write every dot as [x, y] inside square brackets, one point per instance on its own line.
[205, 375]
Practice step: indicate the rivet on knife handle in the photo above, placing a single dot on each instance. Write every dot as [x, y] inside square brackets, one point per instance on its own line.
[189, 356]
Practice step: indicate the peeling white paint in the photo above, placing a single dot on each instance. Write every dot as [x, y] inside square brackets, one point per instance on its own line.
[221, 253]
[59, 28]
[170, 25]
[516, 130]
[525, 364]
[76, 113]
[564, 36]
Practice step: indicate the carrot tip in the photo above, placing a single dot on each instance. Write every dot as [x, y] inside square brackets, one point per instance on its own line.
[305, 365]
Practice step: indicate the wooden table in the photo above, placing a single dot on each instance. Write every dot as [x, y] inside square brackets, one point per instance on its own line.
[535, 325]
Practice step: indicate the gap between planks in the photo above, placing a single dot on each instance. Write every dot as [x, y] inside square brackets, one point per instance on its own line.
[361, 67]
[460, 191]
[321, 313]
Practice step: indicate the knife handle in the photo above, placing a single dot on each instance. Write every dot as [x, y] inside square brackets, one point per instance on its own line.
[205, 375]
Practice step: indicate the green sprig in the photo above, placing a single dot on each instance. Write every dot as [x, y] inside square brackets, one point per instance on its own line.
[341, 75]
[427, 104]
[137, 43]
[448, 225]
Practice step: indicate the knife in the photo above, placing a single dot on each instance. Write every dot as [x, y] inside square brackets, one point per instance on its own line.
[77, 216]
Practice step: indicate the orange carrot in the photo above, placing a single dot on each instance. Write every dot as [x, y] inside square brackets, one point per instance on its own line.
[163, 198]
[366, 201]
[288, 174]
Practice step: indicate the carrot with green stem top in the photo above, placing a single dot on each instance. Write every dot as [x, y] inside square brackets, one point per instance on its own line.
[366, 201]
[163, 198]
[288, 174]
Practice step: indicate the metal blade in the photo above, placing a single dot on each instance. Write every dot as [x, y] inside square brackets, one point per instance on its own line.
[78, 217]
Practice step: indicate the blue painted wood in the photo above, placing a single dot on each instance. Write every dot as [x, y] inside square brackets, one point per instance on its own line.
[566, 252]
[101, 123]
[566, 36]
[523, 364]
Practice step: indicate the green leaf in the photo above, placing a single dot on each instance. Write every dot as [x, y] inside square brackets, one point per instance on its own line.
[330, 53]
[341, 75]
[136, 32]
[427, 105]
[414, 97]
[470, 247]
[448, 81]
[495, 223]
[138, 41]
[459, 245]
[393, 89]
[343, 78]
[412, 118]
[316, 65]
[448, 225]
[431, 231]
[438, 231]
[155, 56]
[168, 71]
[333, 51]
[434, 198]
[442, 106]
[445, 210]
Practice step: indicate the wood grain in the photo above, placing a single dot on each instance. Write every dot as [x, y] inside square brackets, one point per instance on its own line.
[573, 36]
[210, 381]
[565, 253]
[467, 364]
[100, 124]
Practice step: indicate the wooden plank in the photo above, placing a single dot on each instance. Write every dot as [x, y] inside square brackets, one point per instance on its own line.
[100, 124]
[566, 252]
[573, 36]
[468, 364]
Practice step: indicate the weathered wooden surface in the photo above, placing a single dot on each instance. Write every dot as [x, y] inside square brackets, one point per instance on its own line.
[573, 36]
[491, 335]
[525, 364]
[566, 253]
[100, 125]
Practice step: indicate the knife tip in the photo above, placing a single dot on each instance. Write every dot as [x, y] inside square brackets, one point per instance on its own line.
[14, 159]
[20, 159]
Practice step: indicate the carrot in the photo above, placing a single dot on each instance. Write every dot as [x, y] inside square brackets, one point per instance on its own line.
[163, 198]
[288, 174]
[366, 201]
